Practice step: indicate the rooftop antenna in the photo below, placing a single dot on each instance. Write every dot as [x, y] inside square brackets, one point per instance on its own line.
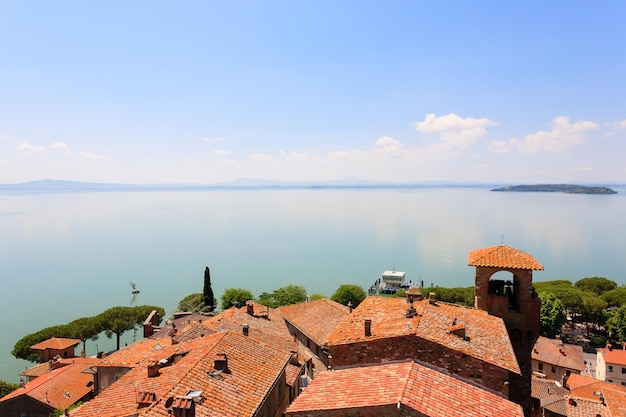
[502, 239]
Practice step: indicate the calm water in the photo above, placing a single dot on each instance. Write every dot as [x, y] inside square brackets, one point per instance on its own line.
[71, 255]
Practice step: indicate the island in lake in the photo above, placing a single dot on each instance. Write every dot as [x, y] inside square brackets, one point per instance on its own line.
[562, 188]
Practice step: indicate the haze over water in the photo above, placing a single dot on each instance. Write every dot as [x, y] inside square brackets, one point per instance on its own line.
[71, 255]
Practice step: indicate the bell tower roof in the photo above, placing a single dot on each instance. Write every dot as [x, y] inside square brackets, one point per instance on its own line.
[503, 256]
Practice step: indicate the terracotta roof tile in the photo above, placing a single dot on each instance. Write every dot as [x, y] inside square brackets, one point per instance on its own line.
[555, 352]
[60, 387]
[485, 338]
[420, 387]
[253, 367]
[614, 356]
[503, 256]
[317, 319]
[57, 343]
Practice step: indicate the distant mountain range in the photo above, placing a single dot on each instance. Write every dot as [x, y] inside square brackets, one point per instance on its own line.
[243, 183]
[251, 183]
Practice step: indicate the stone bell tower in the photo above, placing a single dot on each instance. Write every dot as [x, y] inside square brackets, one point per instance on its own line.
[514, 299]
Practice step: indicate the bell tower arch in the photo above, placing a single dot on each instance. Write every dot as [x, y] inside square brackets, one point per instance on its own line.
[504, 288]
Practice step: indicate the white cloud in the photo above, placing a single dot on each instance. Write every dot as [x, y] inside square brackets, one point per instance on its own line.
[584, 169]
[454, 131]
[221, 152]
[89, 155]
[59, 145]
[211, 140]
[388, 145]
[621, 124]
[28, 149]
[564, 135]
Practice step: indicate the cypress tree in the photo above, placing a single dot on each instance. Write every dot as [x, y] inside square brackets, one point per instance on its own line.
[207, 294]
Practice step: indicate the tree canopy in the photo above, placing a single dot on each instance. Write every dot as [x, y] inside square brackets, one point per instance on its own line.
[347, 293]
[552, 314]
[291, 294]
[235, 296]
[617, 324]
[115, 320]
[597, 285]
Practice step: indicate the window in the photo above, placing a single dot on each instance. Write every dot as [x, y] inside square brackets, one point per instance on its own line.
[610, 368]
[624, 370]
[540, 366]
[554, 370]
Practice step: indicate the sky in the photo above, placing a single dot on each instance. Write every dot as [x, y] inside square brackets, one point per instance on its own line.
[148, 92]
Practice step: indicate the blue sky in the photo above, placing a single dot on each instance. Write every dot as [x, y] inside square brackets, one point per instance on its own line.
[207, 91]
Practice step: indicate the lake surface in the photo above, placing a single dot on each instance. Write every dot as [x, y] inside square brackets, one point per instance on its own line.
[71, 255]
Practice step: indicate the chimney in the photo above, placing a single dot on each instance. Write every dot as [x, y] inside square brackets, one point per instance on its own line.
[153, 369]
[246, 329]
[368, 327]
[221, 362]
[250, 307]
[432, 298]
[350, 306]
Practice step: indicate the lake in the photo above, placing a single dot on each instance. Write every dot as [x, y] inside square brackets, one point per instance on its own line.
[71, 255]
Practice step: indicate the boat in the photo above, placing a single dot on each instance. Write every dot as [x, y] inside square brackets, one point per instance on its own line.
[134, 287]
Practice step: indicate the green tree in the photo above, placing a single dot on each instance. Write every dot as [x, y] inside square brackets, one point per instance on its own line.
[462, 295]
[192, 302]
[552, 314]
[291, 294]
[207, 294]
[118, 320]
[316, 296]
[235, 296]
[616, 325]
[7, 388]
[347, 293]
[597, 285]
[85, 328]
[22, 350]
[615, 298]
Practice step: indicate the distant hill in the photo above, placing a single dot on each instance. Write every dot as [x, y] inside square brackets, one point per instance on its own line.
[562, 188]
[49, 185]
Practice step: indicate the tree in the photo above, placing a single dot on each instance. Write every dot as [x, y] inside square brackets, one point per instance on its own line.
[597, 285]
[85, 328]
[7, 387]
[207, 293]
[347, 293]
[291, 294]
[118, 320]
[615, 298]
[235, 296]
[617, 324]
[316, 296]
[192, 302]
[552, 314]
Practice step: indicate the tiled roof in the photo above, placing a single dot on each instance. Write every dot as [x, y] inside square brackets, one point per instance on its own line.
[594, 390]
[557, 353]
[485, 338]
[503, 256]
[133, 355]
[422, 388]
[575, 381]
[613, 356]
[57, 343]
[550, 395]
[317, 319]
[292, 373]
[580, 407]
[253, 369]
[60, 387]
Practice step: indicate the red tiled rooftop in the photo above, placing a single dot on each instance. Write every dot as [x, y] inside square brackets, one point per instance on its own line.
[60, 387]
[253, 369]
[57, 343]
[614, 356]
[557, 353]
[422, 388]
[503, 256]
[486, 335]
[317, 319]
